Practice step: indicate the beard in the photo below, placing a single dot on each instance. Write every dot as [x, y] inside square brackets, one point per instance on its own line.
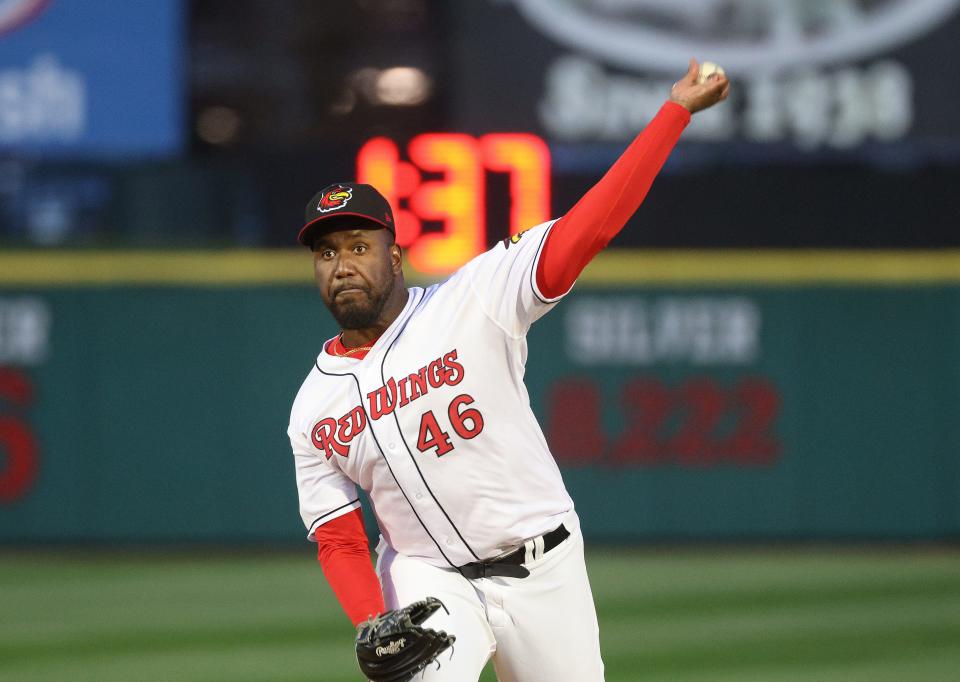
[362, 312]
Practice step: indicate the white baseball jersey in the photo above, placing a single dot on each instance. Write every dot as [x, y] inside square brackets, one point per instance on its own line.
[435, 422]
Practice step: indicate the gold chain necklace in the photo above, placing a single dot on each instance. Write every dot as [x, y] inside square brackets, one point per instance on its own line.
[350, 350]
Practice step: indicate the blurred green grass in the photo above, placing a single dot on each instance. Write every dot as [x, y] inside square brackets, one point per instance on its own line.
[711, 615]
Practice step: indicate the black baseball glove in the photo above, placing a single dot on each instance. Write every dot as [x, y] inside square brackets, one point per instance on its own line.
[393, 647]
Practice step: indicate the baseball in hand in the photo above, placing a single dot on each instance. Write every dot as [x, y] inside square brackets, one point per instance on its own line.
[707, 69]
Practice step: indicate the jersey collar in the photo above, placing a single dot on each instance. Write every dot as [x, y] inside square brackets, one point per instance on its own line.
[328, 362]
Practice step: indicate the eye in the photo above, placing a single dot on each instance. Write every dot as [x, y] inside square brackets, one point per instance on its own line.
[359, 249]
[327, 254]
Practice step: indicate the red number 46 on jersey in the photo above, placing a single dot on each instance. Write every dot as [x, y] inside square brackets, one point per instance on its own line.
[467, 423]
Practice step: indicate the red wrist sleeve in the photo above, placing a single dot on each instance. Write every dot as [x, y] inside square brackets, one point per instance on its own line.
[345, 558]
[603, 211]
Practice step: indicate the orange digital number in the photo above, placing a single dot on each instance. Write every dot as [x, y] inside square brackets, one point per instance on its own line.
[458, 200]
[527, 159]
[379, 164]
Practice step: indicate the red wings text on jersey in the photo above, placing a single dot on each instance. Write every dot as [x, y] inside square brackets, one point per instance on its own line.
[333, 436]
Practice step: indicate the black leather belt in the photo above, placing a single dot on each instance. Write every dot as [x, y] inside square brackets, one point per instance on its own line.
[511, 565]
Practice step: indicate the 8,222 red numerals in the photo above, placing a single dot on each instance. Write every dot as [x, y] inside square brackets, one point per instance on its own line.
[698, 423]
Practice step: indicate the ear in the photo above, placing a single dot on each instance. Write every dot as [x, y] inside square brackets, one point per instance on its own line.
[396, 259]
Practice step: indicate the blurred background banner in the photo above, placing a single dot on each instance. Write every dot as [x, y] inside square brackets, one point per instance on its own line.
[840, 131]
[829, 75]
[104, 78]
[700, 411]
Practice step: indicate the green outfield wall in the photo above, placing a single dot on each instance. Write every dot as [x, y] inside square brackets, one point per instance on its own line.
[144, 396]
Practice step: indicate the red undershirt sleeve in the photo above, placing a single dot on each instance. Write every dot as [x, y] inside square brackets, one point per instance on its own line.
[345, 558]
[603, 211]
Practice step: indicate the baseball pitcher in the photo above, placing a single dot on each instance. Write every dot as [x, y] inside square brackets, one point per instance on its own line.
[420, 402]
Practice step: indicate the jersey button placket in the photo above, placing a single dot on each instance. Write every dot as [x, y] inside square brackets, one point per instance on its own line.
[404, 469]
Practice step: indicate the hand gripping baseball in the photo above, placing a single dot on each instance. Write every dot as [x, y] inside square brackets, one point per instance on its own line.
[393, 647]
[687, 92]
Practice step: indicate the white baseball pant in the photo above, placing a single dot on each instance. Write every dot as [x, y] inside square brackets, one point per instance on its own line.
[542, 628]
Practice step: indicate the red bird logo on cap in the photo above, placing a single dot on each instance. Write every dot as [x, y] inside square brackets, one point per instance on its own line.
[334, 198]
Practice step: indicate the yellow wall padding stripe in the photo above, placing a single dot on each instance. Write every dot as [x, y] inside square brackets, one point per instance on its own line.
[626, 267]
[775, 267]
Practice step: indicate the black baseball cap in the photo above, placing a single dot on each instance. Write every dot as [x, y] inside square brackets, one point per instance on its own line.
[345, 200]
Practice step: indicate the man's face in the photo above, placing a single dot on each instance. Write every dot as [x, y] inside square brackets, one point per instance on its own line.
[356, 270]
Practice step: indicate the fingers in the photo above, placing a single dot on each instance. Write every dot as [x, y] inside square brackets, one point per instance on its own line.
[692, 71]
[718, 85]
[717, 79]
[421, 610]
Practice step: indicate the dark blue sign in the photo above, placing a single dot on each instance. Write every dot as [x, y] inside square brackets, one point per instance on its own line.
[81, 78]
